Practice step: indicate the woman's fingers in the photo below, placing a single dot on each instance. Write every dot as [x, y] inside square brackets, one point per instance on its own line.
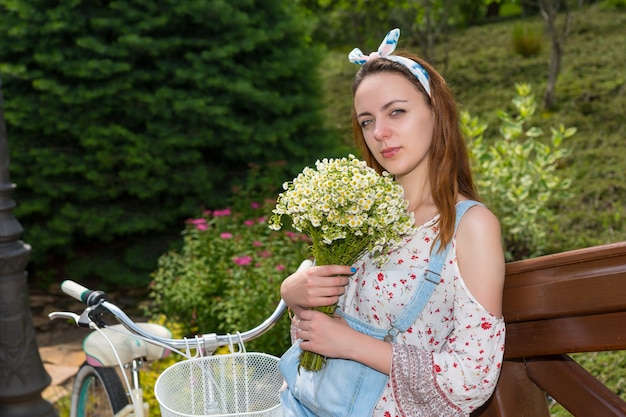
[321, 334]
[315, 286]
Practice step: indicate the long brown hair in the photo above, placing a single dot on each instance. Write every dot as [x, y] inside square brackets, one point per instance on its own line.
[450, 170]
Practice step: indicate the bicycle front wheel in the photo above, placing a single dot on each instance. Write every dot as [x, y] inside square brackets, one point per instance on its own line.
[97, 392]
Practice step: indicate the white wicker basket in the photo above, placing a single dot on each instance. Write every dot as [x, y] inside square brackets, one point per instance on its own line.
[237, 384]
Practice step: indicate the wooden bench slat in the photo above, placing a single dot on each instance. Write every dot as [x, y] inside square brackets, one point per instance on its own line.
[580, 282]
[585, 295]
[566, 335]
[581, 258]
[574, 388]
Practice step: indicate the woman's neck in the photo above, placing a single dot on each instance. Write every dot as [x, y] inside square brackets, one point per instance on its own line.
[417, 191]
[424, 209]
[421, 202]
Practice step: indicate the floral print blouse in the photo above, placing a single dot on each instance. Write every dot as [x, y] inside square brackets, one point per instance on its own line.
[448, 362]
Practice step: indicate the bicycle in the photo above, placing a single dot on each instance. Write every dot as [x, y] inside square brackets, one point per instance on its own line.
[236, 384]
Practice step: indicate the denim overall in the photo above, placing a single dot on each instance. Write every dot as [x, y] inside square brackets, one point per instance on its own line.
[345, 388]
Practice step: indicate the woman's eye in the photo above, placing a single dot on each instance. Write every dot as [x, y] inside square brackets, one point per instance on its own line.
[397, 112]
[365, 123]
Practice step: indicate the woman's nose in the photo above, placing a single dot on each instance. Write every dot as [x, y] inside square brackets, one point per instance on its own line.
[382, 131]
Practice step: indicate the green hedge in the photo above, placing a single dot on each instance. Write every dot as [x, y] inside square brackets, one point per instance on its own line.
[125, 117]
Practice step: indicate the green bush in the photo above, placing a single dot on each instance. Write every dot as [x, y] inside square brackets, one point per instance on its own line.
[525, 41]
[125, 117]
[517, 174]
[227, 275]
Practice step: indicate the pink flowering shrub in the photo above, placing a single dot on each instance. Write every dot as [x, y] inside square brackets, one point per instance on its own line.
[226, 276]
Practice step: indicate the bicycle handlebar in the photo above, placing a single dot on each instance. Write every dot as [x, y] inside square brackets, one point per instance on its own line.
[81, 293]
[208, 342]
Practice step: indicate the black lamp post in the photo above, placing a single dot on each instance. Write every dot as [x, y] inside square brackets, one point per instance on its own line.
[22, 375]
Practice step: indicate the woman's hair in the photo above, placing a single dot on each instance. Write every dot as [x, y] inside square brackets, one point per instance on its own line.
[450, 171]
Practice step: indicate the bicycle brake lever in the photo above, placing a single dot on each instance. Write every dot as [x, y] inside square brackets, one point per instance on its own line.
[64, 315]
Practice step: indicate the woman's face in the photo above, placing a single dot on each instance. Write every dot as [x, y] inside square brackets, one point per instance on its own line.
[397, 123]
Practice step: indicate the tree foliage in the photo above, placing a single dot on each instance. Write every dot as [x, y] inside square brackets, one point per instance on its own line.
[422, 22]
[125, 117]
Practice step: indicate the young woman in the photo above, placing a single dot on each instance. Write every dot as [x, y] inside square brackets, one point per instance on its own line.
[446, 360]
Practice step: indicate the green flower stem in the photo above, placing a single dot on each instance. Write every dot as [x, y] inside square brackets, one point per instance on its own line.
[340, 252]
[313, 361]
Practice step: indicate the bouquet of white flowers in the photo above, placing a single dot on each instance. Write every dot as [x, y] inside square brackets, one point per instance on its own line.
[346, 208]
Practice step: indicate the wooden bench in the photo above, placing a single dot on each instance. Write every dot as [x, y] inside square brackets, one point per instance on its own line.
[555, 305]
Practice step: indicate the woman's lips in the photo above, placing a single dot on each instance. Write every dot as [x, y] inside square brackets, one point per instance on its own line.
[389, 152]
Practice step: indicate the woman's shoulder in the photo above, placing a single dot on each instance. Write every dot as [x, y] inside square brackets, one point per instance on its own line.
[480, 256]
[478, 218]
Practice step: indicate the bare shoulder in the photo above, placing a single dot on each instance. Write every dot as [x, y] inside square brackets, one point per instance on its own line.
[481, 258]
[479, 220]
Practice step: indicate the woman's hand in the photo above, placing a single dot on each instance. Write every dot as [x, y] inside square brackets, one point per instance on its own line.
[316, 286]
[332, 337]
[323, 334]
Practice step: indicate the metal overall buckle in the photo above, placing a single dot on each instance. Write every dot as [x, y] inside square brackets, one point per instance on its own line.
[391, 335]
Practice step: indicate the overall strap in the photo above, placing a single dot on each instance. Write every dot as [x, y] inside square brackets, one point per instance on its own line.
[432, 278]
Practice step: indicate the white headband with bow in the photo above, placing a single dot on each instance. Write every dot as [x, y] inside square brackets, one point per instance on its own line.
[387, 46]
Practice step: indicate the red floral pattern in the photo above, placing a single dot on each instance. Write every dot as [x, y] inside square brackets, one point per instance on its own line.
[455, 346]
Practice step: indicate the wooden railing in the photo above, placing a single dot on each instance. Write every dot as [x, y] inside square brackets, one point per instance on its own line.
[555, 305]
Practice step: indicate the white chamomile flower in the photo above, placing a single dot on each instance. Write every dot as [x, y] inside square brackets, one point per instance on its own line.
[344, 202]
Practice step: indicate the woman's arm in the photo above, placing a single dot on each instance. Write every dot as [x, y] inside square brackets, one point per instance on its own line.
[480, 257]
